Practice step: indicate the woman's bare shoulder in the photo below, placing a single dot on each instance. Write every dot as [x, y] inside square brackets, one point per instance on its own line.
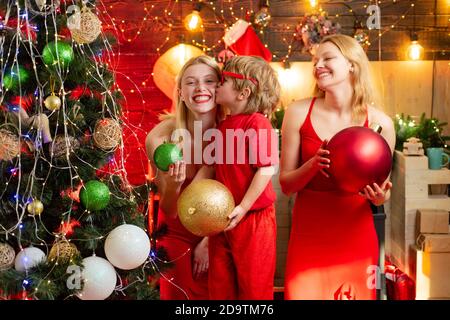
[296, 112]
[377, 116]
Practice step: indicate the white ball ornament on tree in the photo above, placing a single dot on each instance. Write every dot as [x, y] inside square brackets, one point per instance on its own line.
[99, 279]
[127, 247]
[28, 258]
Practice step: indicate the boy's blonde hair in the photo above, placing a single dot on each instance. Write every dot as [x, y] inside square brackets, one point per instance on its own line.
[182, 112]
[363, 91]
[265, 95]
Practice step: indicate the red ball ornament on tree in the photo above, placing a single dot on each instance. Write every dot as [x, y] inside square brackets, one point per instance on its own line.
[359, 157]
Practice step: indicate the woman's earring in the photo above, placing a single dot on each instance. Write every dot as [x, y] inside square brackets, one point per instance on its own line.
[351, 69]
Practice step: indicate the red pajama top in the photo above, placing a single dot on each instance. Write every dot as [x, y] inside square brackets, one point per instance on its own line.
[249, 142]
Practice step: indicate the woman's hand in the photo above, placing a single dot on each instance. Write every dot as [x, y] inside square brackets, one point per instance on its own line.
[176, 175]
[320, 161]
[200, 264]
[377, 195]
[235, 217]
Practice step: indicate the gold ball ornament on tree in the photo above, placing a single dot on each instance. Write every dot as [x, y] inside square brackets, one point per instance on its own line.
[204, 206]
[7, 256]
[107, 134]
[35, 207]
[9, 145]
[52, 102]
[87, 27]
[62, 251]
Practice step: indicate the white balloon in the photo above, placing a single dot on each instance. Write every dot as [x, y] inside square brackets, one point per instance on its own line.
[28, 258]
[127, 247]
[99, 279]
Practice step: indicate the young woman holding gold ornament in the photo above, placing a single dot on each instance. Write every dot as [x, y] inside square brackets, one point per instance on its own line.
[196, 86]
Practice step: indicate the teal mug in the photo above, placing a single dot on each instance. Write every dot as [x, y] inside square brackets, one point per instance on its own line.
[436, 158]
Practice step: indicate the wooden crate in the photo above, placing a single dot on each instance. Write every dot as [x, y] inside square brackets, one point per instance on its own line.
[431, 273]
[411, 179]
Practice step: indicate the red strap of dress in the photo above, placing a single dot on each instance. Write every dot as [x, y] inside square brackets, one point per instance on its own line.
[308, 116]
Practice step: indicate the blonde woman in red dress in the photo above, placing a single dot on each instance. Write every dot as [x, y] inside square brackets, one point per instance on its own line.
[333, 246]
[187, 279]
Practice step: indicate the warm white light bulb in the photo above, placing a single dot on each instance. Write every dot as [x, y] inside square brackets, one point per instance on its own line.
[313, 3]
[193, 21]
[415, 51]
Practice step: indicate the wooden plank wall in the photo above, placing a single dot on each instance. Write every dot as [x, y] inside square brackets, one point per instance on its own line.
[429, 18]
[404, 86]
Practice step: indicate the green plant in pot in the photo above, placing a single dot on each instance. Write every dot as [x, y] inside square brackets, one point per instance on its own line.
[430, 132]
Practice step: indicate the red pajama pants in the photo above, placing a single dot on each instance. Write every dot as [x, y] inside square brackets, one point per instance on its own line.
[242, 260]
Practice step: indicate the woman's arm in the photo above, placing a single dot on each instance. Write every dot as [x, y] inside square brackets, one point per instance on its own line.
[200, 258]
[378, 195]
[168, 183]
[292, 177]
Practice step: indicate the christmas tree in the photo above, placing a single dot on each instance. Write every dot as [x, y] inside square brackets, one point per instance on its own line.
[71, 226]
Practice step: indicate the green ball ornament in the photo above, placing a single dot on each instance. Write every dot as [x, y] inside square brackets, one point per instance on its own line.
[15, 76]
[94, 195]
[167, 154]
[58, 51]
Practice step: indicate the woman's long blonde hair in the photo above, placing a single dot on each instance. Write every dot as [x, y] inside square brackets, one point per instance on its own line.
[363, 90]
[182, 112]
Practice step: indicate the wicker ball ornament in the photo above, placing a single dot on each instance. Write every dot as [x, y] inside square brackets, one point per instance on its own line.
[62, 251]
[7, 256]
[9, 145]
[204, 206]
[89, 29]
[62, 144]
[107, 134]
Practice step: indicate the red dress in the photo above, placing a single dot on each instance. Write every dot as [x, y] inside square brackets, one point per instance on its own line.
[177, 282]
[333, 247]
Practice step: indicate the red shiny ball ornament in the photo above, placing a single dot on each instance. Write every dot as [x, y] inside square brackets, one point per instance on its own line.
[359, 157]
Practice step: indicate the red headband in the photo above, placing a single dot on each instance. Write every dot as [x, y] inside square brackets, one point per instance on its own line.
[237, 76]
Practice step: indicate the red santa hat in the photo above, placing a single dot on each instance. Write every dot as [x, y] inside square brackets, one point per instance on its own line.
[243, 40]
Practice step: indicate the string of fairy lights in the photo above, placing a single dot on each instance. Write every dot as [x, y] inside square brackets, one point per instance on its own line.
[224, 14]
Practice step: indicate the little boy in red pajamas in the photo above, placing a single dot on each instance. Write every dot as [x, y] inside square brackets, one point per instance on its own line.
[242, 258]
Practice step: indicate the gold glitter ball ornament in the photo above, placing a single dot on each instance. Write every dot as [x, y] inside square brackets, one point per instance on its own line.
[204, 206]
[107, 134]
[35, 207]
[89, 29]
[52, 102]
[9, 145]
[62, 251]
[7, 256]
